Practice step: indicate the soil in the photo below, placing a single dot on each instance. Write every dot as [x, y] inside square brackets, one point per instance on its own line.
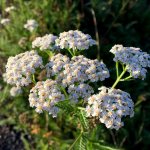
[10, 139]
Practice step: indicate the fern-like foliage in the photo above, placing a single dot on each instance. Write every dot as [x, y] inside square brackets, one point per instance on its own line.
[82, 143]
[83, 120]
[65, 106]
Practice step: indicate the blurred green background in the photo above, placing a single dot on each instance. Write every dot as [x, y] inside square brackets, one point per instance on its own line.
[110, 22]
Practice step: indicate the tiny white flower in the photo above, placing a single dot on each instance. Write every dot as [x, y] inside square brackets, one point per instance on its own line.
[31, 25]
[8, 9]
[5, 21]
[14, 91]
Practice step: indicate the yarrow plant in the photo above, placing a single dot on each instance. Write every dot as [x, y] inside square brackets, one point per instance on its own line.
[5, 21]
[19, 69]
[31, 25]
[74, 41]
[14, 91]
[77, 70]
[46, 42]
[109, 106]
[44, 95]
[133, 58]
[71, 80]
[9, 9]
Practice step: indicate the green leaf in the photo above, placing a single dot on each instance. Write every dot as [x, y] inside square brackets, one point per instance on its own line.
[83, 119]
[26, 143]
[65, 105]
[82, 143]
[7, 121]
[104, 147]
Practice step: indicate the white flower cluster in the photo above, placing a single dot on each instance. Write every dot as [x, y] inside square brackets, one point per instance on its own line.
[31, 25]
[109, 106]
[8, 9]
[46, 42]
[44, 95]
[5, 21]
[74, 40]
[79, 69]
[56, 64]
[81, 91]
[20, 68]
[135, 60]
[14, 91]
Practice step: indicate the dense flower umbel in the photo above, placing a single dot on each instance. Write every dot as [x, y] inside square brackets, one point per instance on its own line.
[14, 91]
[46, 42]
[135, 60]
[31, 25]
[81, 91]
[44, 95]
[74, 40]
[81, 69]
[109, 106]
[20, 68]
[77, 70]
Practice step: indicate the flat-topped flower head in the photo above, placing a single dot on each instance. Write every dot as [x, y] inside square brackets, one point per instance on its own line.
[109, 106]
[75, 40]
[77, 70]
[14, 91]
[44, 95]
[47, 42]
[81, 69]
[135, 60]
[20, 68]
[79, 92]
[31, 24]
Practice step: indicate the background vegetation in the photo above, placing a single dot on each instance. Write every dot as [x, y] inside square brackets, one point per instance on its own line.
[110, 22]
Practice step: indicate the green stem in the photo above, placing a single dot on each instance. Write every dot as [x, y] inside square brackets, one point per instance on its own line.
[71, 53]
[47, 120]
[64, 91]
[117, 69]
[123, 67]
[129, 77]
[33, 79]
[74, 52]
[119, 78]
[50, 53]
[81, 108]
[71, 147]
